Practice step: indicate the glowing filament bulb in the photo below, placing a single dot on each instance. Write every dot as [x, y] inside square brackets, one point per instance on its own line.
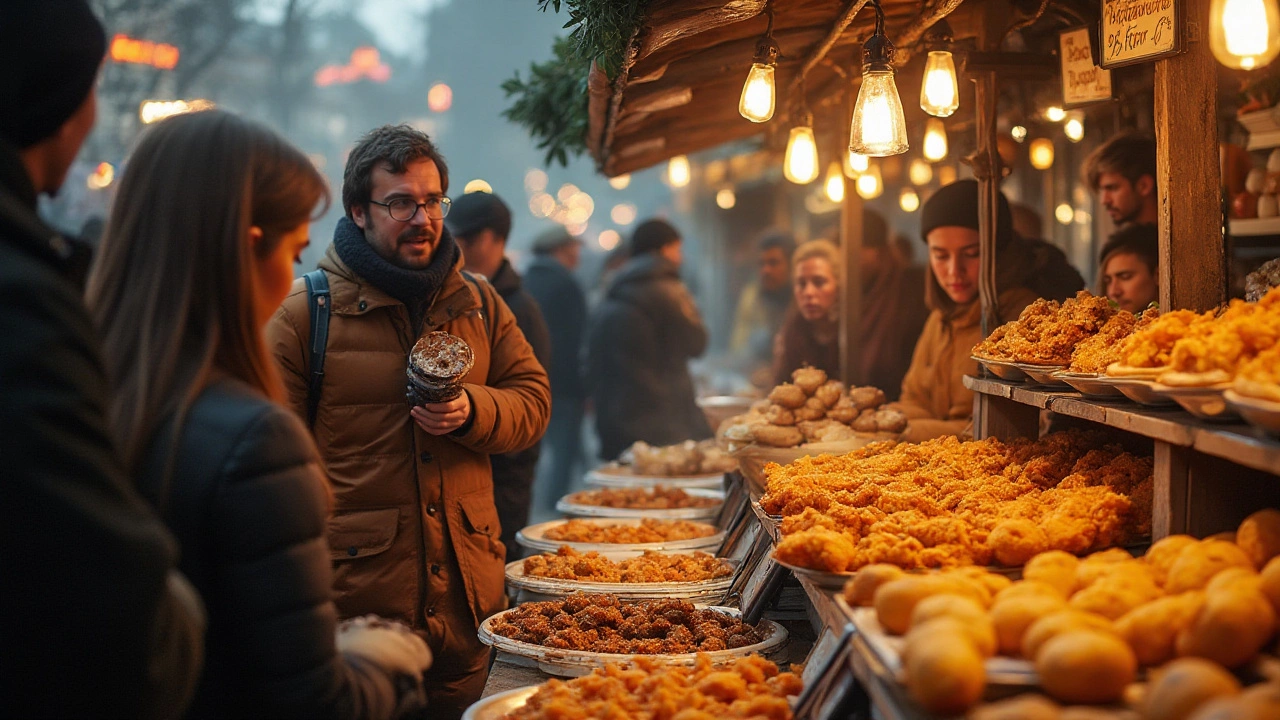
[835, 183]
[678, 171]
[869, 183]
[935, 140]
[855, 164]
[908, 200]
[1244, 34]
[1041, 153]
[939, 92]
[800, 165]
[878, 128]
[757, 101]
[920, 172]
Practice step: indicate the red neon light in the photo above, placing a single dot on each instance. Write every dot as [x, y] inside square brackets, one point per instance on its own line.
[125, 49]
[366, 64]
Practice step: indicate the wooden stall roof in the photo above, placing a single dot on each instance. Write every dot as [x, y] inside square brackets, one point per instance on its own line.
[682, 76]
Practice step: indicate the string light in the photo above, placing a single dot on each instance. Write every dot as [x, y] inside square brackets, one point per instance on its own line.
[1074, 129]
[535, 180]
[939, 91]
[935, 140]
[1064, 214]
[1244, 34]
[477, 185]
[855, 164]
[1055, 114]
[726, 199]
[608, 239]
[1041, 153]
[623, 214]
[869, 184]
[101, 177]
[1019, 133]
[800, 165]
[834, 186]
[878, 127]
[757, 101]
[678, 171]
[908, 200]
[620, 182]
[920, 172]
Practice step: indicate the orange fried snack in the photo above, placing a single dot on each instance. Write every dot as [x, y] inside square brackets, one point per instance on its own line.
[648, 531]
[660, 497]
[1047, 332]
[651, 567]
[1094, 354]
[751, 687]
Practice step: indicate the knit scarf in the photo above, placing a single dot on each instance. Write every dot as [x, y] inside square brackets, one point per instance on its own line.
[415, 288]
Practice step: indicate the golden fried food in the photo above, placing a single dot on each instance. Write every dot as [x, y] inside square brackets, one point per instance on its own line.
[1152, 346]
[937, 503]
[1014, 542]
[1019, 707]
[660, 497]
[787, 396]
[1012, 617]
[1114, 596]
[1270, 584]
[1232, 626]
[844, 411]
[890, 421]
[1197, 564]
[1164, 552]
[1058, 622]
[1184, 685]
[813, 409]
[945, 674]
[778, 436]
[895, 600]
[1152, 629]
[1096, 353]
[651, 567]
[1054, 567]
[860, 590]
[1232, 576]
[1259, 536]
[866, 397]
[1086, 666]
[1260, 377]
[866, 422]
[830, 393]
[809, 379]
[778, 415]
[751, 687]
[1030, 588]
[1047, 331]
[971, 616]
[1235, 335]
[687, 458]
[647, 531]
[597, 622]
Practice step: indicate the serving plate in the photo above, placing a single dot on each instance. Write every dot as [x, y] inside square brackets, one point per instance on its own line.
[1003, 370]
[1138, 390]
[1262, 414]
[495, 707]
[533, 537]
[1206, 403]
[615, 475]
[547, 588]
[576, 663]
[572, 509]
[1089, 385]
[1045, 375]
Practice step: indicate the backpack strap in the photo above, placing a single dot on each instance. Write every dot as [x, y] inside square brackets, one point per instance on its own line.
[484, 302]
[318, 303]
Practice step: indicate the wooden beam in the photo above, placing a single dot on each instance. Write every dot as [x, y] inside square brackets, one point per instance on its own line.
[904, 39]
[851, 251]
[815, 55]
[1192, 251]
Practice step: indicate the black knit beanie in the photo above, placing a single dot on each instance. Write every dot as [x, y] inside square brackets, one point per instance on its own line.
[957, 205]
[50, 51]
[652, 236]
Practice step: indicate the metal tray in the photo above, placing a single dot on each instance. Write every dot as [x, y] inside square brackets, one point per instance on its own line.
[1090, 385]
[1138, 390]
[1262, 414]
[691, 513]
[495, 707]
[576, 663]
[532, 538]
[1045, 375]
[700, 590]
[1206, 403]
[615, 475]
[836, 580]
[1003, 370]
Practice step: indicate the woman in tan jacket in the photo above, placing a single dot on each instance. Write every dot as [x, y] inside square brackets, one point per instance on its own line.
[934, 397]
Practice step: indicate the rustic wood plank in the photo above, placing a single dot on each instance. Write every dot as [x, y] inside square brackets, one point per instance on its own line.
[851, 289]
[1004, 418]
[1169, 499]
[1220, 494]
[1186, 99]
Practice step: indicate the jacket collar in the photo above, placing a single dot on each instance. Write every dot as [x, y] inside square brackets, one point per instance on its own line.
[18, 216]
[353, 295]
[506, 280]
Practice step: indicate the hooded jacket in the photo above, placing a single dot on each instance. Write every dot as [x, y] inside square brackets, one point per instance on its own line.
[639, 345]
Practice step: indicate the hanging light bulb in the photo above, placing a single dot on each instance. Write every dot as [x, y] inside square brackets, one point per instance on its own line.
[920, 172]
[908, 200]
[834, 186]
[1055, 114]
[935, 140]
[1244, 34]
[620, 182]
[1041, 153]
[678, 171]
[1074, 129]
[800, 165]
[726, 199]
[878, 128]
[869, 184]
[855, 164]
[758, 92]
[1018, 132]
[939, 91]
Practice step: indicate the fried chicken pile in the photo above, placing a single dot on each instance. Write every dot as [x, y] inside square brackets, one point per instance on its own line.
[686, 458]
[651, 567]
[648, 531]
[596, 622]
[814, 408]
[1095, 353]
[945, 502]
[1047, 331]
[1152, 346]
[640, 498]
[1260, 377]
[751, 687]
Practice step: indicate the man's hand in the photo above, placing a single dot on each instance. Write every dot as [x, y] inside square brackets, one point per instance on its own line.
[443, 418]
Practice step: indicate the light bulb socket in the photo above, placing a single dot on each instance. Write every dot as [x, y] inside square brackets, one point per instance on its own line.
[877, 51]
[939, 37]
[766, 51]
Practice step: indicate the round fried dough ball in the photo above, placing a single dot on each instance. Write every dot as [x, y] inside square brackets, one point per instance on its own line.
[896, 600]
[866, 397]
[946, 675]
[1054, 567]
[971, 615]
[1014, 542]
[1197, 564]
[830, 393]
[1259, 536]
[1101, 564]
[942, 628]
[1231, 627]
[1013, 616]
[1260, 702]
[778, 415]
[1184, 685]
[813, 409]
[809, 379]
[1270, 585]
[1020, 707]
[866, 422]
[788, 396]
[1084, 712]
[1027, 588]
[1233, 575]
[992, 582]
[860, 590]
[890, 421]
[1058, 622]
[844, 411]
[1114, 596]
[1152, 629]
[1162, 554]
[1086, 666]
[778, 436]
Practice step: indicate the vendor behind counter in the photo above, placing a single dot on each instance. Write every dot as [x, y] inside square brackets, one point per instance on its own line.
[934, 397]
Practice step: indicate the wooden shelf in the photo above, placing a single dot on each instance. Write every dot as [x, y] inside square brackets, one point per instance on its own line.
[1236, 443]
[1249, 227]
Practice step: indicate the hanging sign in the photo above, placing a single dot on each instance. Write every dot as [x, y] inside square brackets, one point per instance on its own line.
[1135, 31]
[1082, 80]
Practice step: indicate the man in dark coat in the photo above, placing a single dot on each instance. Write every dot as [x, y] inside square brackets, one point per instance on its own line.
[549, 279]
[97, 623]
[639, 345]
[481, 222]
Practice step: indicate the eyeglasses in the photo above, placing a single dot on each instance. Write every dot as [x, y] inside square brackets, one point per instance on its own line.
[404, 209]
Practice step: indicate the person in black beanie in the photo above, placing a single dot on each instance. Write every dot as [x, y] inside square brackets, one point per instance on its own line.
[98, 623]
[639, 344]
[934, 397]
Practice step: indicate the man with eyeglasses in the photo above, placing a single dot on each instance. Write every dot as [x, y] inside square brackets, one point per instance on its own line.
[414, 534]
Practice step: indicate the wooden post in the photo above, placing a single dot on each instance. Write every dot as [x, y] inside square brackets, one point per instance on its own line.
[1192, 252]
[851, 288]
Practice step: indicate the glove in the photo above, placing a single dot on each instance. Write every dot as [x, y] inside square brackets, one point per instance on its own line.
[389, 645]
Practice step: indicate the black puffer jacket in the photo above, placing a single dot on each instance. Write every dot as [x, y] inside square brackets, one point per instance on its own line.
[247, 501]
[638, 350]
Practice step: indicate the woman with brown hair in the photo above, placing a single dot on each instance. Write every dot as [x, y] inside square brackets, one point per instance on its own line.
[209, 218]
[810, 333]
